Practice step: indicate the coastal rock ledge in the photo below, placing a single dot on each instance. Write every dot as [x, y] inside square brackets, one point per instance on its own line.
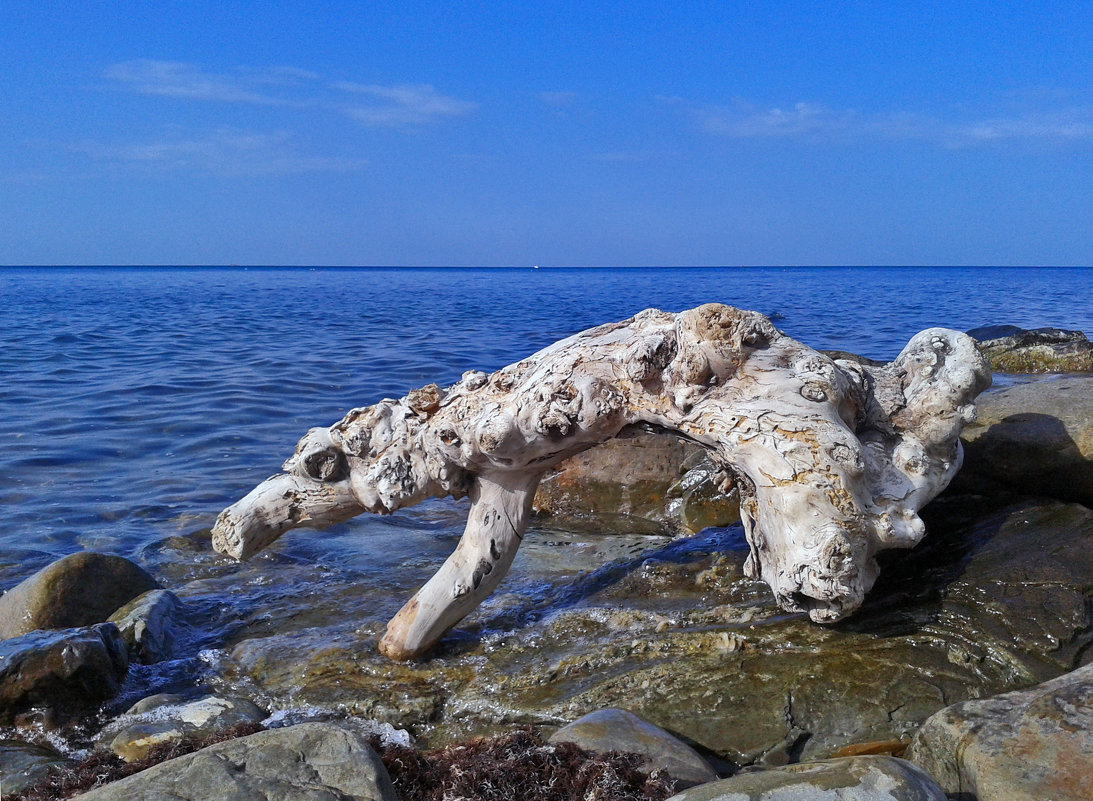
[1010, 349]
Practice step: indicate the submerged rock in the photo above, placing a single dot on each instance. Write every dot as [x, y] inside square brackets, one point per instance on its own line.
[1027, 745]
[990, 601]
[64, 673]
[148, 623]
[1033, 439]
[79, 590]
[317, 761]
[1010, 349]
[865, 778]
[608, 730]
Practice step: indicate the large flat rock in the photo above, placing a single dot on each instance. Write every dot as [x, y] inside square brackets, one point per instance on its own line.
[991, 601]
[1034, 439]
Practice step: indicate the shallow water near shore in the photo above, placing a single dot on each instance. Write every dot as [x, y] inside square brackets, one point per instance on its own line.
[137, 403]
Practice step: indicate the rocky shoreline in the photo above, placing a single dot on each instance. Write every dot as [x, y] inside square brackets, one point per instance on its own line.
[966, 673]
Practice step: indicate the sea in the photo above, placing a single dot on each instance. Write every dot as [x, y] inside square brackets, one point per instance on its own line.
[137, 402]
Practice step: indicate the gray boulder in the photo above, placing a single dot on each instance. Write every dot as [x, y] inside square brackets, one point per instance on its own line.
[1033, 439]
[65, 673]
[618, 730]
[864, 778]
[1028, 745]
[78, 590]
[148, 624]
[145, 726]
[1010, 349]
[313, 761]
[22, 764]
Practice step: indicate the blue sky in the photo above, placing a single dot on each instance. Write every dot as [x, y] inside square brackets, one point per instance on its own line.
[547, 133]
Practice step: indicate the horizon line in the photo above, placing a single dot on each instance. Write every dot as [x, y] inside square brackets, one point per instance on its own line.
[165, 266]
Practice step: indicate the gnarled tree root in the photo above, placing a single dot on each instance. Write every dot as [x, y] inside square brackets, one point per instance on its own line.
[833, 459]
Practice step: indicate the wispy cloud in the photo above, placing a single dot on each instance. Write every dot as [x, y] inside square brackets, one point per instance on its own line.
[400, 105]
[1069, 126]
[802, 119]
[410, 104]
[178, 79]
[815, 122]
[222, 152]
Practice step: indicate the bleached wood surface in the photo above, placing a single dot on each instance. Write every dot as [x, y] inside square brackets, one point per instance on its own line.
[833, 459]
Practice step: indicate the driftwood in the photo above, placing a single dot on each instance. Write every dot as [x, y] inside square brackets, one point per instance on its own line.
[833, 458]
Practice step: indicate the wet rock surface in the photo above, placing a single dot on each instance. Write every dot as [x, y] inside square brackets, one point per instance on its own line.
[1033, 439]
[642, 481]
[993, 600]
[1027, 745]
[1010, 349]
[78, 590]
[148, 723]
[22, 764]
[148, 624]
[607, 730]
[866, 778]
[316, 761]
[62, 673]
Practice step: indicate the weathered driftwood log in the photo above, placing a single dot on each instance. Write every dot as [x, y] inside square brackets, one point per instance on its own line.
[833, 459]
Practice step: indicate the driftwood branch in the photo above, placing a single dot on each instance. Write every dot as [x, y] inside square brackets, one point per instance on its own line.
[833, 458]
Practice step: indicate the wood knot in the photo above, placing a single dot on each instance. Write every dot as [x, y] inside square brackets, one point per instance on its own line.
[327, 464]
[425, 400]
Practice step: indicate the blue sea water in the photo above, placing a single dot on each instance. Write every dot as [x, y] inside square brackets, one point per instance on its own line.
[135, 403]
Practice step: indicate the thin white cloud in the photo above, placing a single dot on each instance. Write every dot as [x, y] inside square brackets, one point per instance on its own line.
[814, 122]
[407, 104]
[400, 105]
[1072, 126]
[178, 79]
[222, 152]
[802, 119]
[280, 76]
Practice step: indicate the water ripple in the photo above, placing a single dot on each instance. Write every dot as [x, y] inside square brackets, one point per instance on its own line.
[136, 402]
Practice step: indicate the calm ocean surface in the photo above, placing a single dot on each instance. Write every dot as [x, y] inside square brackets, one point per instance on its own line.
[136, 403]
